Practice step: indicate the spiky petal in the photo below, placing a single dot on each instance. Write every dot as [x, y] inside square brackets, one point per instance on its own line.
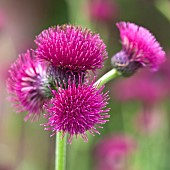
[28, 85]
[76, 110]
[139, 46]
[71, 47]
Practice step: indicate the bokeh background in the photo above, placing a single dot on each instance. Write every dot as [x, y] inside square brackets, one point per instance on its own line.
[137, 137]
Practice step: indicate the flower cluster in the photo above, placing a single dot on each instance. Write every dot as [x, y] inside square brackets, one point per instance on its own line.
[139, 49]
[53, 78]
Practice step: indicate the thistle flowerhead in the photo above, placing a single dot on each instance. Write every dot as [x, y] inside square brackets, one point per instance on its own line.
[28, 84]
[139, 49]
[76, 110]
[71, 48]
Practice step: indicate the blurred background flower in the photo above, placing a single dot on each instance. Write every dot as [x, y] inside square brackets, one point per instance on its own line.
[114, 152]
[104, 11]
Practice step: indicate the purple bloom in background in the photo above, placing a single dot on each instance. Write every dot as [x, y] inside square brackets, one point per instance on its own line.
[76, 110]
[112, 153]
[28, 85]
[154, 86]
[163, 76]
[149, 121]
[71, 48]
[139, 49]
[151, 88]
[103, 10]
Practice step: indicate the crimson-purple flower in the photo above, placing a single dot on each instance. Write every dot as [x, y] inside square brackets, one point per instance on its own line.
[71, 47]
[28, 85]
[76, 110]
[139, 49]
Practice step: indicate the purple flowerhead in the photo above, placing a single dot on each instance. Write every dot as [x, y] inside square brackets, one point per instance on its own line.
[139, 49]
[103, 10]
[113, 152]
[71, 48]
[28, 85]
[76, 110]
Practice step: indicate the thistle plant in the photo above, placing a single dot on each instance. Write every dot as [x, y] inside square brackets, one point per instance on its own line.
[139, 49]
[28, 85]
[54, 78]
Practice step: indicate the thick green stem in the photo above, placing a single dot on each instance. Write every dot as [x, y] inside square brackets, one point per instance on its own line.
[60, 152]
[107, 77]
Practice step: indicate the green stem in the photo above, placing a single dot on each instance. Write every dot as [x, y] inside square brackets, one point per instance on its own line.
[107, 77]
[60, 153]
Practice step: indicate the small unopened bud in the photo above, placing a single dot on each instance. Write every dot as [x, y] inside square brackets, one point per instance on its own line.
[121, 62]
